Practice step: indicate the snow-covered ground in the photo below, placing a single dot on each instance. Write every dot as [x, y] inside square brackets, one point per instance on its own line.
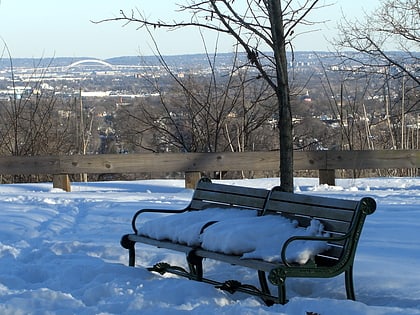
[60, 253]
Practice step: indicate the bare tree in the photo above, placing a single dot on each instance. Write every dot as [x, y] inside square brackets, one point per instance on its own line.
[384, 44]
[394, 26]
[201, 113]
[258, 27]
[31, 122]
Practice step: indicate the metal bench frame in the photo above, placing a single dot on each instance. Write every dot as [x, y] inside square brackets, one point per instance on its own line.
[342, 218]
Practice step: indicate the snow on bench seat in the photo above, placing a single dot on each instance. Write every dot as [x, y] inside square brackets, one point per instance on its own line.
[238, 232]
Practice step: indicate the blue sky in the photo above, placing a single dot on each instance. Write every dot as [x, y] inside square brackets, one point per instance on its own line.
[46, 28]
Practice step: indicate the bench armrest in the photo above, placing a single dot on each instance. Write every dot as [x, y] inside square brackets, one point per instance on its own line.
[308, 238]
[134, 219]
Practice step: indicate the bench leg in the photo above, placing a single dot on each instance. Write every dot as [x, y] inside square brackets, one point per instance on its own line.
[264, 287]
[130, 245]
[349, 284]
[263, 282]
[277, 276]
[195, 265]
[282, 293]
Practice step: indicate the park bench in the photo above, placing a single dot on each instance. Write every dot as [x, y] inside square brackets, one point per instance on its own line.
[342, 221]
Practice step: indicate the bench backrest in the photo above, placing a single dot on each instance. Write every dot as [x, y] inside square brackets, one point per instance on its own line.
[340, 217]
[211, 194]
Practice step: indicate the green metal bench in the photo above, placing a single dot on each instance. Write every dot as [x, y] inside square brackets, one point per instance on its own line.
[342, 219]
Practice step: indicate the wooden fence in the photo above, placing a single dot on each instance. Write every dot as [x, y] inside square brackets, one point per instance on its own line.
[326, 162]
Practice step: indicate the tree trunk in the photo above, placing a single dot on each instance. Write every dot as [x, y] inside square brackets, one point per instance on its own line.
[283, 97]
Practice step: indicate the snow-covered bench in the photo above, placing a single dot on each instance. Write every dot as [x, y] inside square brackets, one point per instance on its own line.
[282, 234]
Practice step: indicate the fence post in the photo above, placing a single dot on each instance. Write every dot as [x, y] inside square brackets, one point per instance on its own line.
[327, 177]
[62, 181]
[191, 179]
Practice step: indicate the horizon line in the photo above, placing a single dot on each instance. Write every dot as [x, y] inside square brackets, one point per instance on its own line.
[187, 54]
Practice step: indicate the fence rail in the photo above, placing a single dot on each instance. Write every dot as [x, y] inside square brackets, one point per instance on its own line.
[194, 163]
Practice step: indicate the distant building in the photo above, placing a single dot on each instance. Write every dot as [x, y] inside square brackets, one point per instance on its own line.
[306, 97]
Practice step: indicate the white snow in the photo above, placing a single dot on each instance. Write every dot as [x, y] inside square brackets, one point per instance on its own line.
[60, 253]
[186, 227]
[238, 232]
[263, 237]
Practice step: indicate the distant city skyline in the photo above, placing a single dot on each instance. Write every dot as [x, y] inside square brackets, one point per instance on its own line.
[47, 28]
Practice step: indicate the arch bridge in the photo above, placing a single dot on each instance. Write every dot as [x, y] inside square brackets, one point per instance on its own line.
[89, 61]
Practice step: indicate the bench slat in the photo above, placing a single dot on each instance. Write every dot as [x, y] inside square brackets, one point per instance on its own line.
[314, 200]
[200, 205]
[239, 190]
[334, 252]
[337, 214]
[331, 226]
[335, 227]
[231, 259]
[228, 199]
[228, 195]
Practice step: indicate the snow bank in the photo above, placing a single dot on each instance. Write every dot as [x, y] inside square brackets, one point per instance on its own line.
[60, 254]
